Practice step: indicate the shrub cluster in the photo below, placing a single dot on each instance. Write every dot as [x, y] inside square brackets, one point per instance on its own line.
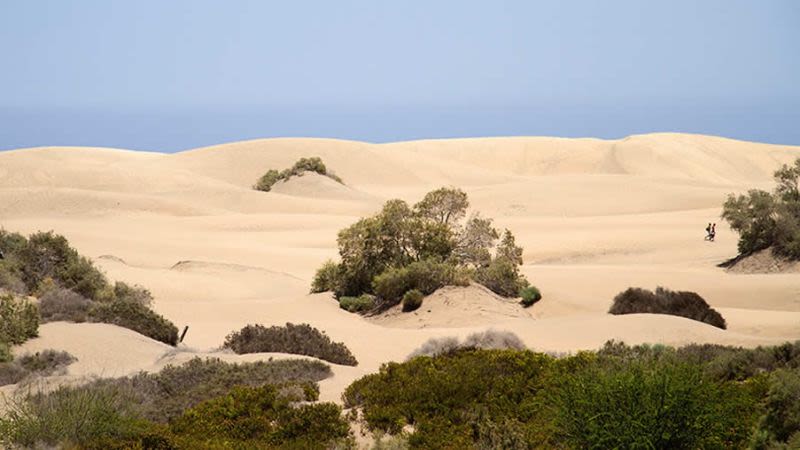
[485, 340]
[619, 397]
[423, 247]
[313, 164]
[44, 363]
[70, 288]
[362, 303]
[201, 404]
[19, 320]
[300, 339]
[412, 300]
[530, 295]
[765, 219]
[663, 301]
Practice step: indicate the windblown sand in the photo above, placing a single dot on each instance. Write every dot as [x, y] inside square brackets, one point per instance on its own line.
[594, 217]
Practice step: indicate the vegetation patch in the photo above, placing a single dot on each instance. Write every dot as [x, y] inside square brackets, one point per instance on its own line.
[19, 320]
[136, 317]
[300, 339]
[485, 340]
[45, 363]
[303, 165]
[663, 301]
[362, 303]
[423, 248]
[530, 295]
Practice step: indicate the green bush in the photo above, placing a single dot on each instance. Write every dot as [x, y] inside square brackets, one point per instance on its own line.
[782, 418]
[530, 295]
[362, 303]
[300, 339]
[313, 164]
[663, 301]
[262, 416]
[5, 352]
[502, 277]
[646, 404]
[19, 320]
[425, 276]
[136, 317]
[326, 279]
[412, 300]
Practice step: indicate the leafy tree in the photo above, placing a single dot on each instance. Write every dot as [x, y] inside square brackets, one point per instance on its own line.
[444, 205]
[474, 241]
[509, 250]
[753, 216]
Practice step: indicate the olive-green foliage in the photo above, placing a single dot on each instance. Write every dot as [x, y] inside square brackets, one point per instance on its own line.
[43, 363]
[362, 303]
[19, 320]
[425, 276]
[502, 277]
[452, 397]
[645, 403]
[261, 417]
[300, 339]
[326, 278]
[765, 219]
[782, 418]
[137, 317]
[313, 164]
[530, 295]
[64, 305]
[412, 300]
[70, 416]
[5, 352]
[384, 254]
[663, 301]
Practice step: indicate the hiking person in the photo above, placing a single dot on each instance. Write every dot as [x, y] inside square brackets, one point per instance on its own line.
[708, 232]
[713, 232]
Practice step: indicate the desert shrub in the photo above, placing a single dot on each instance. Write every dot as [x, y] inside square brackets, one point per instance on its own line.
[70, 416]
[43, 363]
[10, 280]
[326, 279]
[136, 317]
[124, 292]
[262, 416]
[530, 295]
[364, 302]
[412, 300]
[5, 352]
[663, 301]
[313, 164]
[19, 320]
[425, 276]
[782, 418]
[484, 340]
[300, 339]
[650, 404]
[502, 277]
[64, 305]
[164, 395]
[422, 247]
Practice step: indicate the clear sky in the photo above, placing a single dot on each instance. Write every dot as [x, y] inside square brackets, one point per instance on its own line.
[175, 74]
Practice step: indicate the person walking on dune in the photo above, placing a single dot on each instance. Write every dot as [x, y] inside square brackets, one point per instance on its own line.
[713, 233]
[708, 232]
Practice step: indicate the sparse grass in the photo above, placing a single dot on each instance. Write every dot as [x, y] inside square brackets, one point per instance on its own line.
[43, 363]
[300, 339]
[663, 301]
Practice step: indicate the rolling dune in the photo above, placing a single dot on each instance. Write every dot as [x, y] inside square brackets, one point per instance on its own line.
[594, 217]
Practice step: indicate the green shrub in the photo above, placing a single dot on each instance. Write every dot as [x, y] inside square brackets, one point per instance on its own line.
[663, 301]
[124, 292]
[412, 300]
[326, 279]
[502, 277]
[425, 276]
[70, 416]
[300, 339]
[64, 305]
[782, 418]
[136, 317]
[650, 404]
[362, 303]
[19, 320]
[530, 295]
[262, 416]
[313, 164]
[45, 363]
[5, 352]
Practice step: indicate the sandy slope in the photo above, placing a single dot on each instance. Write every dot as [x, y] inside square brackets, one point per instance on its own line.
[594, 216]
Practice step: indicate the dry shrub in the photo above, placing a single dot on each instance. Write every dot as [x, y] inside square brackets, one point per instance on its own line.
[663, 301]
[300, 339]
[64, 305]
[45, 363]
[486, 340]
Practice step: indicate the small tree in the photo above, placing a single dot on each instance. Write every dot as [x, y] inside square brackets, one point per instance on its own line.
[444, 205]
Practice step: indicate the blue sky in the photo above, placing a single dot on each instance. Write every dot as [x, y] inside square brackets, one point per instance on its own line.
[170, 75]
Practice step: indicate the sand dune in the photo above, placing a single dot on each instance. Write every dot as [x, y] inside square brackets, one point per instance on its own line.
[594, 217]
